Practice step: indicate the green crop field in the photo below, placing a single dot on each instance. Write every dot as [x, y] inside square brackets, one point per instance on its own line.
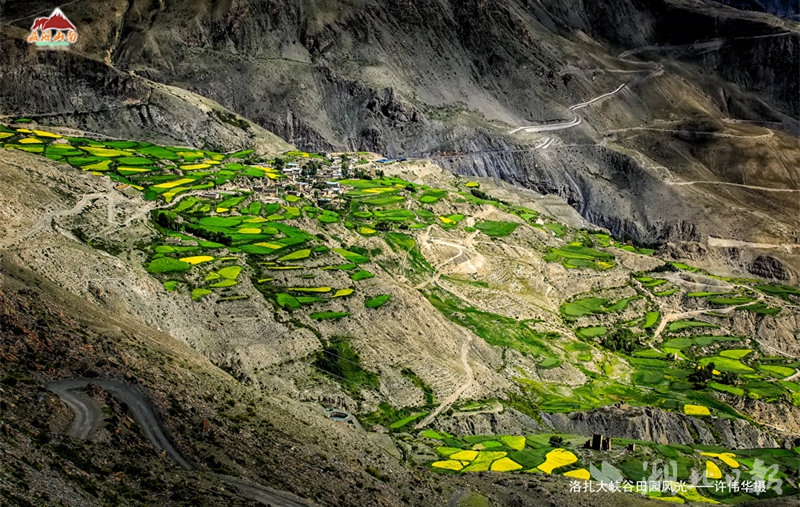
[378, 301]
[351, 256]
[650, 319]
[586, 306]
[777, 371]
[680, 325]
[577, 256]
[361, 275]
[168, 265]
[678, 343]
[727, 364]
[731, 300]
[296, 255]
[735, 353]
[496, 229]
[287, 301]
[591, 332]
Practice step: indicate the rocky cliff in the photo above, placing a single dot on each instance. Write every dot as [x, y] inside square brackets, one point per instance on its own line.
[436, 78]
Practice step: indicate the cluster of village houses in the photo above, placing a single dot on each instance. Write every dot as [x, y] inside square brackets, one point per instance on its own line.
[307, 178]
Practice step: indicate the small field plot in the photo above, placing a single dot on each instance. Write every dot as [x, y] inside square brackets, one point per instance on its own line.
[727, 364]
[777, 370]
[496, 229]
[168, 265]
[697, 410]
[378, 301]
[361, 275]
[297, 255]
[735, 353]
[591, 332]
[785, 292]
[351, 256]
[585, 306]
[574, 256]
[650, 319]
[678, 343]
[680, 325]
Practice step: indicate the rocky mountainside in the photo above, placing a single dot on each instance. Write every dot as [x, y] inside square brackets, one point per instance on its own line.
[214, 287]
[783, 8]
[708, 114]
[440, 316]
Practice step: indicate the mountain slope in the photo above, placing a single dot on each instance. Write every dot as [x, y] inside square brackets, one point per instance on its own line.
[411, 300]
[451, 80]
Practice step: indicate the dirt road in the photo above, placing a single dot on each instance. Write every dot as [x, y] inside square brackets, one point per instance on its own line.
[466, 384]
[88, 416]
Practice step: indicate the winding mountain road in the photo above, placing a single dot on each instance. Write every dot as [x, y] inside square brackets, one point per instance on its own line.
[88, 413]
[741, 185]
[735, 243]
[569, 124]
[89, 416]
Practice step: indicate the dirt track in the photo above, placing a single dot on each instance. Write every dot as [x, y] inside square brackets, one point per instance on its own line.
[89, 416]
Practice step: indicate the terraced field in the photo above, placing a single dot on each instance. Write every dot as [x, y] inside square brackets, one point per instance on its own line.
[565, 455]
[652, 341]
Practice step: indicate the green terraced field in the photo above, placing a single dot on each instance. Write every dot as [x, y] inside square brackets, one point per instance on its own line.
[727, 364]
[651, 319]
[168, 265]
[496, 229]
[269, 240]
[576, 256]
[680, 325]
[378, 301]
[351, 256]
[735, 353]
[591, 332]
[586, 306]
[361, 275]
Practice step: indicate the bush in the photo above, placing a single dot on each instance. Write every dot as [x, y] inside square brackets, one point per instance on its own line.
[621, 340]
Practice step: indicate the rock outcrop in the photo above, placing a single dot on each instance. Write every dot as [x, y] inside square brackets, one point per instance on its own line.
[655, 425]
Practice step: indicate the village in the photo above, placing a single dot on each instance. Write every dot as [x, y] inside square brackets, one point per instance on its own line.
[314, 177]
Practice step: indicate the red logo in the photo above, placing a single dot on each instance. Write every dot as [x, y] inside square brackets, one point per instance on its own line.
[54, 31]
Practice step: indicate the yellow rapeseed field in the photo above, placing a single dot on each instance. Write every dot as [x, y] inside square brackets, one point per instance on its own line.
[274, 246]
[557, 458]
[197, 259]
[465, 455]
[44, 133]
[725, 457]
[449, 465]
[713, 471]
[696, 410]
[505, 465]
[173, 184]
[104, 152]
[580, 473]
[103, 165]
